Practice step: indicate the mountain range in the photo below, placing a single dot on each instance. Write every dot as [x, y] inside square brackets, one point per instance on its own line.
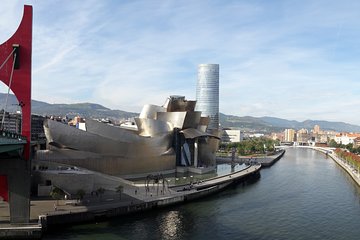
[247, 123]
[273, 124]
[78, 109]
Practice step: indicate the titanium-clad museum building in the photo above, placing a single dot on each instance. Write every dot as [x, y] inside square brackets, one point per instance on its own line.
[180, 133]
[165, 137]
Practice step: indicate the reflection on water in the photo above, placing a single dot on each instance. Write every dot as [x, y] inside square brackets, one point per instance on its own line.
[303, 196]
[170, 225]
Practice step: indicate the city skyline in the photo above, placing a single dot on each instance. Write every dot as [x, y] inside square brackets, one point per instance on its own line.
[294, 60]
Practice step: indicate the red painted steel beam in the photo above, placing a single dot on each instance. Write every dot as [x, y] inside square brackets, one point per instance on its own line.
[4, 192]
[21, 82]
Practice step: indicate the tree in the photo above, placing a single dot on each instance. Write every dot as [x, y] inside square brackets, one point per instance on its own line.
[100, 191]
[259, 146]
[252, 145]
[350, 147]
[80, 194]
[57, 194]
[333, 144]
[120, 189]
[241, 149]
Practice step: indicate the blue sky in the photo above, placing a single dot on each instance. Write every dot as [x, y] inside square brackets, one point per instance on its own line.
[291, 59]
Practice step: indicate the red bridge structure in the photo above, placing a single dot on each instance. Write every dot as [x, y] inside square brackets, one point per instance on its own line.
[15, 72]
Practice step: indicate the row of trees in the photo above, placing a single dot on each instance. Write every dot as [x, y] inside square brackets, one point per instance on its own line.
[58, 194]
[350, 157]
[349, 146]
[252, 146]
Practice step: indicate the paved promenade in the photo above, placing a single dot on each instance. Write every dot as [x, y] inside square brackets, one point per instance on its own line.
[265, 161]
[133, 195]
[89, 203]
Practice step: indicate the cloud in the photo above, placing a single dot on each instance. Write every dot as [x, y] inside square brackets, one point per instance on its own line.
[288, 59]
[11, 14]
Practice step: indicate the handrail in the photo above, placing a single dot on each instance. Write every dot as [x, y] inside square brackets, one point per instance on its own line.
[12, 135]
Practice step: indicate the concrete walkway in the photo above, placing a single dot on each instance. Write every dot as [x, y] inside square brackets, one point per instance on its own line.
[217, 180]
[135, 197]
[132, 194]
[89, 203]
[265, 161]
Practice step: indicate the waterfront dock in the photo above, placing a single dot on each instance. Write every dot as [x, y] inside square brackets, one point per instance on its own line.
[265, 161]
[227, 178]
[135, 198]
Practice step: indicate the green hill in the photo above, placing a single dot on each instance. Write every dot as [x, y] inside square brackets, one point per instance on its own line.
[247, 123]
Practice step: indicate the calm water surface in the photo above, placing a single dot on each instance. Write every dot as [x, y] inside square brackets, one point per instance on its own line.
[303, 196]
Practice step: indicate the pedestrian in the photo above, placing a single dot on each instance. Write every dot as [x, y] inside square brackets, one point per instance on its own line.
[55, 208]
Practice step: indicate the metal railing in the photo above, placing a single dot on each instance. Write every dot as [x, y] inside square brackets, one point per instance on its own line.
[13, 137]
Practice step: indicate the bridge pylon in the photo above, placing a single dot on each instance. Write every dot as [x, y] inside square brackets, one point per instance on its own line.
[15, 72]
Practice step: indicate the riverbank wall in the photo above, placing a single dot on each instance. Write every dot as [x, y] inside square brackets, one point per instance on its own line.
[181, 194]
[21, 231]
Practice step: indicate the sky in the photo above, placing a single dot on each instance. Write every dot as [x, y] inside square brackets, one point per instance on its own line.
[293, 59]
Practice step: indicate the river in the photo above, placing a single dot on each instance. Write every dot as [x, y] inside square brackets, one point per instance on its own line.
[303, 196]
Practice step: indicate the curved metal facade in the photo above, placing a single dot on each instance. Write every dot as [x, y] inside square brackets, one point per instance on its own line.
[100, 151]
[150, 111]
[207, 93]
[163, 139]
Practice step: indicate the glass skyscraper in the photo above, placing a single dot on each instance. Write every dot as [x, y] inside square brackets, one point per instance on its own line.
[207, 93]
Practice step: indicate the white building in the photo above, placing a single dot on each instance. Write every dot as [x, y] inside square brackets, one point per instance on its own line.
[290, 135]
[346, 138]
[256, 135]
[232, 136]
